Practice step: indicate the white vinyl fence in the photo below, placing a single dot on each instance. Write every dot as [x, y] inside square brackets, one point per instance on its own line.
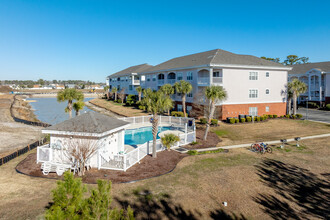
[124, 161]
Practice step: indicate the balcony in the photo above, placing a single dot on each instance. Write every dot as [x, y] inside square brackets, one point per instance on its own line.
[160, 82]
[203, 81]
[171, 81]
[217, 80]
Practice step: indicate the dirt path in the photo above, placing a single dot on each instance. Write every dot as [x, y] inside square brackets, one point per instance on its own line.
[13, 135]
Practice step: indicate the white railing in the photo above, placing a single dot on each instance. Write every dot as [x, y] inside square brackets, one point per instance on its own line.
[217, 79]
[176, 121]
[161, 82]
[171, 81]
[203, 80]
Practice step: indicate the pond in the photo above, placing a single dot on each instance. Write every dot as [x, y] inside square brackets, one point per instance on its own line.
[50, 111]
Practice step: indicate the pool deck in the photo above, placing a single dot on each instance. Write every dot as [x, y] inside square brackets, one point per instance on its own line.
[148, 124]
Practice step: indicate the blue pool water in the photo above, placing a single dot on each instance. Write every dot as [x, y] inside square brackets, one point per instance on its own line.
[141, 135]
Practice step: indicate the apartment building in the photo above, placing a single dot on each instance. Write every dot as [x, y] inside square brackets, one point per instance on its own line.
[317, 78]
[254, 86]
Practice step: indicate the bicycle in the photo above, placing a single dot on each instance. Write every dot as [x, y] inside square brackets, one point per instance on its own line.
[261, 148]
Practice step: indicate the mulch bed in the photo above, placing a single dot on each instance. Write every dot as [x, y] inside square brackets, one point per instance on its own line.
[148, 167]
[212, 140]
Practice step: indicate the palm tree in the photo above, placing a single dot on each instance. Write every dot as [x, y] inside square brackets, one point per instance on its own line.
[156, 102]
[139, 90]
[168, 90]
[214, 94]
[290, 95]
[169, 140]
[69, 95]
[77, 106]
[183, 88]
[115, 90]
[297, 87]
[106, 89]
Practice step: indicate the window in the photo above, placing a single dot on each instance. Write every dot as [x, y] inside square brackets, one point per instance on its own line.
[253, 76]
[190, 94]
[189, 76]
[267, 108]
[179, 108]
[189, 108]
[118, 79]
[154, 78]
[148, 78]
[253, 111]
[253, 93]
[130, 87]
[217, 74]
[267, 74]
[179, 77]
[267, 91]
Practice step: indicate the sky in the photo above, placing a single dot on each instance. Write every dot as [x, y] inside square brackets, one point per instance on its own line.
[89, 40]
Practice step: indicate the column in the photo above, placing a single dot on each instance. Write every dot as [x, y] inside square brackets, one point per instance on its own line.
[211, 76]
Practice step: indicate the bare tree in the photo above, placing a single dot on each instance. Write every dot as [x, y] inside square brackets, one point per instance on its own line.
[122, 95]
[79, 150]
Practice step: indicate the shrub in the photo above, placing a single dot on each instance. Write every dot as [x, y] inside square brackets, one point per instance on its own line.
[281, 116]
[287, 116]
[313, 105]
[266, 117]
[203, 120]
[142, 107]
[242, 120]
[299, 116]
[232, 121]
[236, 120]
[130, 99]
[293, 116]
[194, 143]
[177, 114]
[274, 116]
[248, 119]
[270, 116]
[258, 118]
[169, 140]
[327, 107]
[214, 122]
[262, 118]
[193, 152]
[118, 100]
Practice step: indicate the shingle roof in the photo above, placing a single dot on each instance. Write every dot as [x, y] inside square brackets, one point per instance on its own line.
[132, 69]
[216, 57]
[303, 68]
[90, 122]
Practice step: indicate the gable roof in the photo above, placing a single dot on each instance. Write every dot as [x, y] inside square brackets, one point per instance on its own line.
[303, 68]
[213, 57]
[90, 122]
[132, 69]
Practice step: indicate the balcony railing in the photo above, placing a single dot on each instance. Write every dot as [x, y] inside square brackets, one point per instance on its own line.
[161, 82]
[217, 80]
[203, 80]
[171, 81]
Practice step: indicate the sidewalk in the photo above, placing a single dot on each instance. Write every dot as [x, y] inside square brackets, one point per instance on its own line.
[183, 150]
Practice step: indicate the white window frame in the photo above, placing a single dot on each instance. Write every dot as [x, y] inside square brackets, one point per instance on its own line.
[253, 111]
[148, 78]
[267, 90]
[253, 76]
[179, 76]
[154, 77]
[267, 74]
[267, 109]
[190, 76]
[179, 108]
[253, 93]
[217, 74]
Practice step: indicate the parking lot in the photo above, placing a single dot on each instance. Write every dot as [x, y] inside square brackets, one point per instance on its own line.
[315, 115]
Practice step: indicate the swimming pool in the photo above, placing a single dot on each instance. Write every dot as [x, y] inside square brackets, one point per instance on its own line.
[141, 135]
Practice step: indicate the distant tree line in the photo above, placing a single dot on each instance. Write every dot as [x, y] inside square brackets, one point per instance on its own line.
[42, 82]
[290, 60]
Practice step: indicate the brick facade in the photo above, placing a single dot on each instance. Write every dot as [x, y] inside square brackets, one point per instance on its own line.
[235, 110]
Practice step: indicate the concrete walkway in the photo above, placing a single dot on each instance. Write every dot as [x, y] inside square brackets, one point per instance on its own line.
[315, 115]
[249, 144]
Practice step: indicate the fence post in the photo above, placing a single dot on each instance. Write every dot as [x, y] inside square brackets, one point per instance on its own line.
[133, 120]
[138, 154]
[170, 119]
[124, 157]
[148, 147]
[185, 132]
